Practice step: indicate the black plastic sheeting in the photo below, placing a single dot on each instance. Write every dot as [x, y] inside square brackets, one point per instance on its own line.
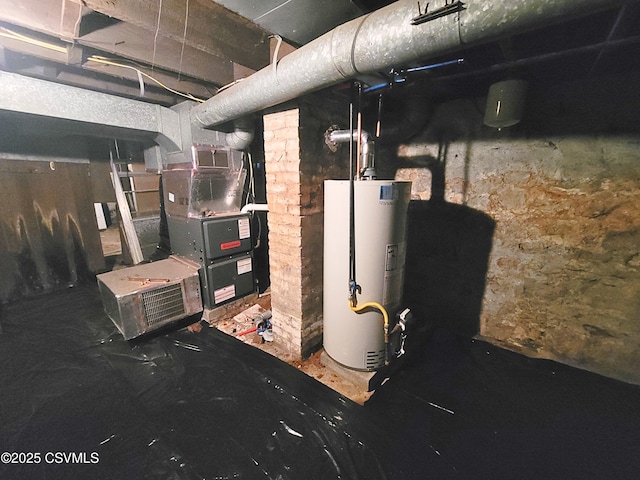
[183, 405]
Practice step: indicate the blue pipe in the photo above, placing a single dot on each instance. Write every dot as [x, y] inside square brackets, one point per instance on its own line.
[380, 86]
[457, 61]
[398, 78]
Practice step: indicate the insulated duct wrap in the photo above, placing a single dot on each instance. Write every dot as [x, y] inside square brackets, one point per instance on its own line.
[379, 41]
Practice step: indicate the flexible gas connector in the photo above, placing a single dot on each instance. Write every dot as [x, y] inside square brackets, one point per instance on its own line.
[385, 316]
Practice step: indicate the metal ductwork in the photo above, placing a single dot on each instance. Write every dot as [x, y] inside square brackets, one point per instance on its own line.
[381, 40]
[53, 107]
[242, 135]
[367, 168]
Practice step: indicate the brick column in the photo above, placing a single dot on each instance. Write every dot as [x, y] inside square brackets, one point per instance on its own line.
[296, 165]
[282, 167]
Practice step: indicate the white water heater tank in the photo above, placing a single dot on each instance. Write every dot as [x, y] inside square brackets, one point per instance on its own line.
[356, 340]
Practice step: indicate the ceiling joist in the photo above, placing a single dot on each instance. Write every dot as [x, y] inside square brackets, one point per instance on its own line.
[128, 41]
[202, 43]
[200, 24]
[59, 19]
[22, 49]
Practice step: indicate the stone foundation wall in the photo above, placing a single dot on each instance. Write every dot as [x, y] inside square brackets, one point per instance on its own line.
[533, 239]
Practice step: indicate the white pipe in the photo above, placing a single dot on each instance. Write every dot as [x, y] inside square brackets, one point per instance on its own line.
[255, 207]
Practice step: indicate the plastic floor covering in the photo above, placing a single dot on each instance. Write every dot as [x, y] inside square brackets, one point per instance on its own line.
[77, 401]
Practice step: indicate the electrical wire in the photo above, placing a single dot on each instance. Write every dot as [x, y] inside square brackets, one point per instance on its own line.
[184, 37]
[155, 37]
[251, 197]
[252, 185]
[5, 32]
[228, 85]
[107, 61]
[274, 60]
[76, 26]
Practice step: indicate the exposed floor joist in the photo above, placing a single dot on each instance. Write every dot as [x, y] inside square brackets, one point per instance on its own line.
[126, 40]
[70, 63]
[189, 46]
[209, 27]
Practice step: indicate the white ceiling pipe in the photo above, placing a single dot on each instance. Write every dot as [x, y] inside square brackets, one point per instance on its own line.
[255, 207]
[379, 41]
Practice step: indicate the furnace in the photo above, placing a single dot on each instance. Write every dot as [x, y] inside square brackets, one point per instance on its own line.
[202, 200]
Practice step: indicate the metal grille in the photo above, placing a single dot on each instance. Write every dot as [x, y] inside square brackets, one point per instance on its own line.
[375, 359]
[162, 304]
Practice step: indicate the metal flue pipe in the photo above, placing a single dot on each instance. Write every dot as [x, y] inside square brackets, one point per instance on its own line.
[367, 160]
[379, 41]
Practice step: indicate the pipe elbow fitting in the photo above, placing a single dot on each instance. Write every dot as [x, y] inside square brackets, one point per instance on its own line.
[242, 134]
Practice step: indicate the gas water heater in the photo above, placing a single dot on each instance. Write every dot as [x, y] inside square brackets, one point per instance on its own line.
[356, 340]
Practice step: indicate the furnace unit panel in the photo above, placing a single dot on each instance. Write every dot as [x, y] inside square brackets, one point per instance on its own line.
[231, 278]
[202, 198]
[224, 236]
[223, 248]
[205, 239]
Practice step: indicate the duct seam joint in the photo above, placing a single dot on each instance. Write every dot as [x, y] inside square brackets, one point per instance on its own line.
[353, 44]
[333, 56]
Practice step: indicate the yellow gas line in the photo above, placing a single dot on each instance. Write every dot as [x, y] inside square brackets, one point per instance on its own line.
[385, 316]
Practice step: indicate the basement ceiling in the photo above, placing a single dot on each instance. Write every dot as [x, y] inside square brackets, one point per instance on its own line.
[153, 49]
[299, 21]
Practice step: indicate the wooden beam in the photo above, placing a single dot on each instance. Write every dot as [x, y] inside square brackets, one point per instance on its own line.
[215, 38]
[131, 237]
[70, 19]
[59, 18]
[116, 88]
[75, 54]
[34, 60]
[209, 26]
[34, 45]
[240, 71]
[58, 54]
[30, 42]
[127, 40]
[184, 84]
